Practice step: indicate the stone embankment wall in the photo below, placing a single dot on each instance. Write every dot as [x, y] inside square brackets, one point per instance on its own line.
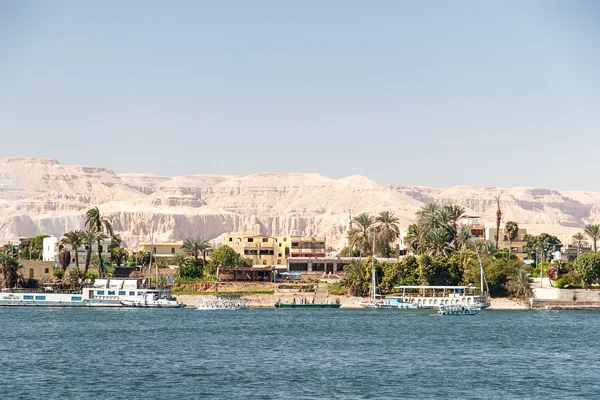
[565, 298]
[225, 286]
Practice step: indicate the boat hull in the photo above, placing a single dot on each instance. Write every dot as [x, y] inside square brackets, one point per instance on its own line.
[282, 305]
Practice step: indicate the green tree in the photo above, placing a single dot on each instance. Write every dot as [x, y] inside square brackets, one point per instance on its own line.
[10, 268]
[360, 234]
[37, 247]
[587, 268]
[118, 255]
[75, 240]
[89, 238]
[593, 232]
[541, 245]
[348, 252]
[64, 258]
[512, 231]
[388, 232]
[416, 239]
[196, 247]
[578, 240]
[225, 257]
[102, 225]
[518, 284]
[354, 278]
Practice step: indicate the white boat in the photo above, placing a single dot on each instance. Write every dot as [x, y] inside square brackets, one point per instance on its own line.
[102, 293]
[396, 303]
[436, 296]
[220, 304]
[458, 310]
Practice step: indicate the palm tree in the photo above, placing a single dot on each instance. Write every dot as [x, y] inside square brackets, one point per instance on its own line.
[196, 247]
[389, 230]
[101, 225]
[429, 216]
[512, 231]
[453, 214]
[439, 242]
[75, 240]
[90, 237]
[354, 277]
[498, 219]
[10, 268]
[578, 239]
[518, 284]
[593, 231]
[359, 235]
[416, 239]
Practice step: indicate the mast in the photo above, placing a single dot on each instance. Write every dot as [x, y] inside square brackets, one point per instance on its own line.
[481, 273]
[151, 256]
[373, 278]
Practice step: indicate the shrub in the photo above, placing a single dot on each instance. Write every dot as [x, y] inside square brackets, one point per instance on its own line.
[561, 283]
[336, 289]
[58, 273]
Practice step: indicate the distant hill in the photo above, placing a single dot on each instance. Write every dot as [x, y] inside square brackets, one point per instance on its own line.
[43, 196]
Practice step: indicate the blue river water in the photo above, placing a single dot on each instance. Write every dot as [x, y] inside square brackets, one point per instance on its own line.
[53, 353]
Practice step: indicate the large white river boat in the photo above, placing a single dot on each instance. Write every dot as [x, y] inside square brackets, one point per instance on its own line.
[102, 293]
[436, 296]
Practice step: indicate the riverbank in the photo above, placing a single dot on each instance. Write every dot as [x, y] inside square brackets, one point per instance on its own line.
[269, 300]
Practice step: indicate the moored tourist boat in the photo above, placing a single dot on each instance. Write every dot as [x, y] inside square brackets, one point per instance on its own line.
[397, 303]
[436, 296]
[220, 304]
[458, 310]
[307, 305]
[102, 293]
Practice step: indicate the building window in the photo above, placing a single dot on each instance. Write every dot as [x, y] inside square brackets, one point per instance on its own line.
[318, 267]
[265, 240]
[101, 249]
[231, 239]
[294, 244]
[278, 262]
[172, 250]
[250, 240]
[30, 273]
[46, 271]
[285, 239]
[299, 267]
[279, 255]
[279, 244]
[340, 267]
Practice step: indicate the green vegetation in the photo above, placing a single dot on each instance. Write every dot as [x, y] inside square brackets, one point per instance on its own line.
[593, 232]
[195, 248]
[539, 247]
[11, 267]
[192, 292]
[103, 229]
[75, 240]
[587, 269]
[336, 289]
[89, 238]
[37, 247]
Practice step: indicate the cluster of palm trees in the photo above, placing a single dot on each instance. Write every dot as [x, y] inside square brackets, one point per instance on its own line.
[98, 229]
[590, 231]
[10, 265]
[364, 226]
[436, 230]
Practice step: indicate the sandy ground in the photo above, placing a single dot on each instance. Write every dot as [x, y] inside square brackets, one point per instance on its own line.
[269, 300]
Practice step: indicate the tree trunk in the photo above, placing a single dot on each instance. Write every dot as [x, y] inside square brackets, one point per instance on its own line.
[76, 257]
[88, 258]
[100, 263]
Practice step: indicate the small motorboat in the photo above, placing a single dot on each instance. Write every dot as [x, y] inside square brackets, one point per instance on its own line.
[457, 309]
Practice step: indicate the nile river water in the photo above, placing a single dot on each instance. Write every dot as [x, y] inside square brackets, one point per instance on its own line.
[52, 353]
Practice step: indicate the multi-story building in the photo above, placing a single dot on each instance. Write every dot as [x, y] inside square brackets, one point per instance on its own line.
[307, 246]
[262, 250]
[162, 250]
[475, 225]
[52, 246]
[517, 245]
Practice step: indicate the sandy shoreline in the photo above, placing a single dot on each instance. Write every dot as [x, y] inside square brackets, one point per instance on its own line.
[269, 300]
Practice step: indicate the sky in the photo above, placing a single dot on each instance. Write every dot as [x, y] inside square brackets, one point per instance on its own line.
[427, 93]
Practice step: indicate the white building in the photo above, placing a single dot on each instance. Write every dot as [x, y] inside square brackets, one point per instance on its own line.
[52, 247]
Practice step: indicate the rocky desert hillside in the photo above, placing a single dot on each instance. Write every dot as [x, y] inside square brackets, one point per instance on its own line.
[43, 196]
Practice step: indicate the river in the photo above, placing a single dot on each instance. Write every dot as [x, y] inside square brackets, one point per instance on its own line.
[53, 353]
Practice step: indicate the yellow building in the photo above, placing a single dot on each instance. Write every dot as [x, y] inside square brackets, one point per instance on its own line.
[163, 250]
[261, 250]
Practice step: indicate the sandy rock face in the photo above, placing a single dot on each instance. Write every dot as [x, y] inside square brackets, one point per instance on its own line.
[43, 196]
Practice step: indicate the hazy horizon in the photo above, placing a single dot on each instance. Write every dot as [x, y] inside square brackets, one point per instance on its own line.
[441, 94]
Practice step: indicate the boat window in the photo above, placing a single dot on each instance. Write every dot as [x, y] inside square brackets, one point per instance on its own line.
[132, 293]
[111, 292]
[122, 293]
[140, 293]
[27, 297]
[101, 292]
[75, 298]
[42, 298]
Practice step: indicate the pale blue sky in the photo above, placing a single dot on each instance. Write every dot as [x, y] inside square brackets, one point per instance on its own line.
[431, 93]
